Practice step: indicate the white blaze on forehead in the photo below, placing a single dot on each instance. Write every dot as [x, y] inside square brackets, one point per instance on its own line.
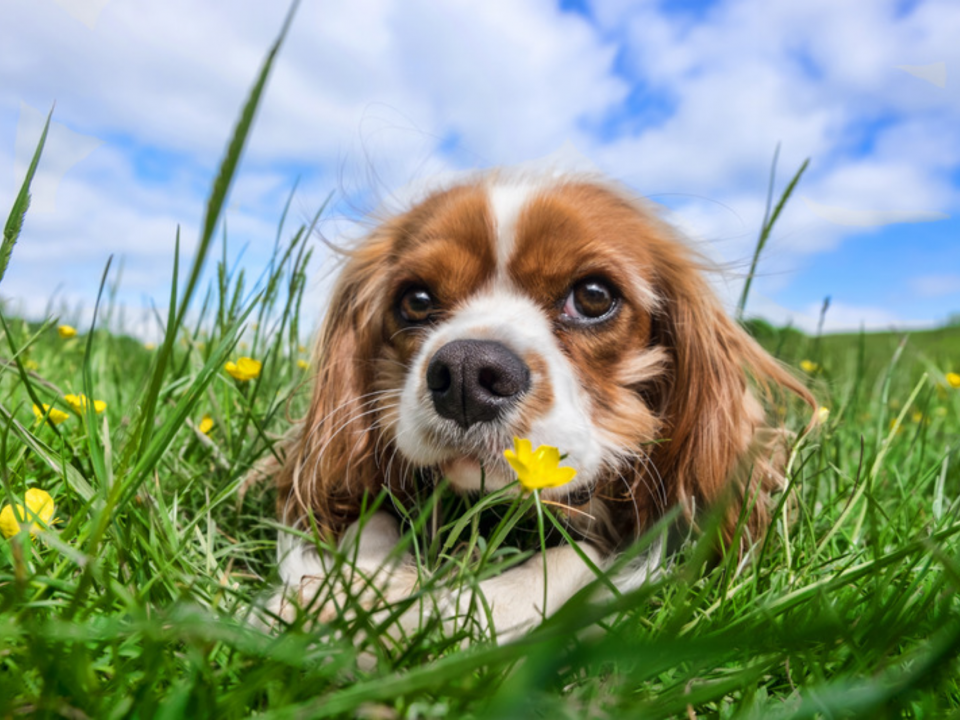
[507, 201]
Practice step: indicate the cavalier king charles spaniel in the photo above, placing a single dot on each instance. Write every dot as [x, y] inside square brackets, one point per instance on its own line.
[557, 308]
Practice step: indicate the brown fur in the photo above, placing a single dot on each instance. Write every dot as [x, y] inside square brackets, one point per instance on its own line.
[672, 379]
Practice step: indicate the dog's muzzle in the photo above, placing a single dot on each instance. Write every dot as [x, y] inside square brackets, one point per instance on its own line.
[474, 381]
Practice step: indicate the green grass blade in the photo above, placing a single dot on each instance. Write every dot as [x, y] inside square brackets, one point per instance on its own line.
[769, 221]
[11, 231]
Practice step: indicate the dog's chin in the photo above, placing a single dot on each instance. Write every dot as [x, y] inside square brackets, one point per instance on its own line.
[468, 474]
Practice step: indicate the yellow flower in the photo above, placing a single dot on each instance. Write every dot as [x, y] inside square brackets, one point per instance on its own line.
[57, 416]
[301, 349]
[243, 369]
[953, 379]
[537, 468]
[67, 332]
[919, 417]
[809, 366]
[30, 365]
[149, 346]
[79, 403]
[206, 425]
[302, 364]
[39, 507]
[823, 414]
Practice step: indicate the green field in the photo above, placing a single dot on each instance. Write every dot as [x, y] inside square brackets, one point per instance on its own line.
[133, 603]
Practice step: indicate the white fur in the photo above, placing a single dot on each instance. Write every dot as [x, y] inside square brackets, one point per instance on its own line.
[503, 607]
[507, 200]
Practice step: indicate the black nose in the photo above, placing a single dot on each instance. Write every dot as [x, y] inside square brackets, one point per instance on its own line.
[475, 380]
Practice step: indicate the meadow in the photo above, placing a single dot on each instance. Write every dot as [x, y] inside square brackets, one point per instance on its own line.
[133, 599]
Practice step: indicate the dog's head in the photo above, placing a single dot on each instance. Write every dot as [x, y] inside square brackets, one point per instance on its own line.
[559, 310]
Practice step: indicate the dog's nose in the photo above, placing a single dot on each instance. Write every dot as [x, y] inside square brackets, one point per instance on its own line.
[475, 380]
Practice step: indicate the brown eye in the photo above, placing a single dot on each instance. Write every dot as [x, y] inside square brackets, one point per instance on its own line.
[590, 299]
[416, 305]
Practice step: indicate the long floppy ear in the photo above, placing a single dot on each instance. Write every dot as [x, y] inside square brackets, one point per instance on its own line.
[330, 464]
[720, 447]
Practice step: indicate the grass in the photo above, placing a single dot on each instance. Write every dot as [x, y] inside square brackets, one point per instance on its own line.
[134, 603]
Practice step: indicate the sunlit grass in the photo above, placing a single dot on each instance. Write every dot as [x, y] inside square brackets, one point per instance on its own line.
[134, 603]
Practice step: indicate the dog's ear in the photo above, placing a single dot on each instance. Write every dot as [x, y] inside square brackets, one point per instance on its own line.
[720, 447]
[330, 465]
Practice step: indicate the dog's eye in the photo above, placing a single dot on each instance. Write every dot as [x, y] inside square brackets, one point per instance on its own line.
[590, 299]
[416, 305]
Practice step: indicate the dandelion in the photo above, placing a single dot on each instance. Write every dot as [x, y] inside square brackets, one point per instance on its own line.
[39, 507]
[149, 347]
[206, 425]
[809, 366]
[67, 332]
[953, 380]
[243, 369]
[537, 468]
[56, 416]
[79, 403]
[302, 364]
[823, 414]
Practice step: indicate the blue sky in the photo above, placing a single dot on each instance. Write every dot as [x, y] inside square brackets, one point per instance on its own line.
[684, 101]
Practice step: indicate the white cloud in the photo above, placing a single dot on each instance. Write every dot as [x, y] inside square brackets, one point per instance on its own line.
[377, 96]
[62, 149]
[361, 98]
[934, 286]
[840, 317]
[934, 73]
[870, 218]
[86, 11]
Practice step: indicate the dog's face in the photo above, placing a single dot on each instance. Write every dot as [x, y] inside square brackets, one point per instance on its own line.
[515, 309]
[562, 311]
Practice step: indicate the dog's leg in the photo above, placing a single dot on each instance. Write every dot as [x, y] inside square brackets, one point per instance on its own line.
[309, 575]
[505, 606]
[513, 603]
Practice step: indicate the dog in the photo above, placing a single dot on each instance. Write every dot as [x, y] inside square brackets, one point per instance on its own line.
[559, 308]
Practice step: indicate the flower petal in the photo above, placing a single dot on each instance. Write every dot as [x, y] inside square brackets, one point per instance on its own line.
[40, 503]
[538, 468]
[561, 476]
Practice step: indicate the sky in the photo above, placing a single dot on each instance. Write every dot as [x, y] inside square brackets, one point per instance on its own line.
[684, 101]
